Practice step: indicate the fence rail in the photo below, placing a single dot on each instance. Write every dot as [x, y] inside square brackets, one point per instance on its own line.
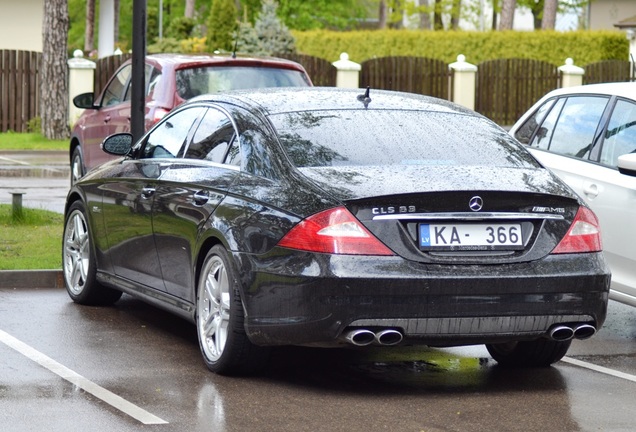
[19, 89]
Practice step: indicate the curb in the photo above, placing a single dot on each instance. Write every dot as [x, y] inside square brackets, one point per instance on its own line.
[31, 279]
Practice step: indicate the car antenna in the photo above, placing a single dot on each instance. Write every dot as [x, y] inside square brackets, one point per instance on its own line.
[364, 98]
[235, 41]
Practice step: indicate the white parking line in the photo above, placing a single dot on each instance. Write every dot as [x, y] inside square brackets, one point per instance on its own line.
[600, 369]
[14, 161]
[88, 386]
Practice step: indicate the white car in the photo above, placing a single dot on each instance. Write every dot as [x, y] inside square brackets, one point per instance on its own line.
[587, 136]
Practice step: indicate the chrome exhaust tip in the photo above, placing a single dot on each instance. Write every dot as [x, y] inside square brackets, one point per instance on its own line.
[359, 337]
[584, 331]
[388, 337]
[561, 333]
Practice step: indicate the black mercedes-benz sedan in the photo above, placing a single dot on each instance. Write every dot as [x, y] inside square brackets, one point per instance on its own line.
[331, 217]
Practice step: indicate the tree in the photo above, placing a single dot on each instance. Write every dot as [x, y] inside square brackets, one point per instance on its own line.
[54, 70]
[189, 9]
[549, 15]
[89, 33]
[268, 36]
[222, 25]
[507, 14]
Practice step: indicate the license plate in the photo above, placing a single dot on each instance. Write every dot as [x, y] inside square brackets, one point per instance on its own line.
[470, 236]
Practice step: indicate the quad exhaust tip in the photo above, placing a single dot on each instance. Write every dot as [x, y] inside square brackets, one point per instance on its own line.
[364, 337]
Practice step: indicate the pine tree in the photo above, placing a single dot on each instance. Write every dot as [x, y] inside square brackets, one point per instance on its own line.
[222, 24]
[268, 36]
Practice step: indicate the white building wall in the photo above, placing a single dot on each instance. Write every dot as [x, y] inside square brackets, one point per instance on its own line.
[21, 24]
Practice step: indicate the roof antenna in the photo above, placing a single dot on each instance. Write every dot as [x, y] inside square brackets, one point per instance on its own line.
[235, 41]
[364, 98]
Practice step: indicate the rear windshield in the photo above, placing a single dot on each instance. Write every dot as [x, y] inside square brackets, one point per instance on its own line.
[396, 137]
[196, 81]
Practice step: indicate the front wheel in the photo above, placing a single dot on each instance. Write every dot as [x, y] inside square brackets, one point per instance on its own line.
[225, 347]
[77, 166]
[78, 261]
[535, 353]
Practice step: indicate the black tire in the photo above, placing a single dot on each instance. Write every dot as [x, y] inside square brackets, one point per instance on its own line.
[77, 165]
[225, 347]
[78, 261]
[535, 353]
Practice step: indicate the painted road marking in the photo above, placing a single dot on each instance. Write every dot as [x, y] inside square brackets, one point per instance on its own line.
[600, 369]
[74, 378]
[14, 161]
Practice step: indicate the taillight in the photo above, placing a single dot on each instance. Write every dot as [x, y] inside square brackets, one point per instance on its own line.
[584, 234]
[158, 114]
[334, 231]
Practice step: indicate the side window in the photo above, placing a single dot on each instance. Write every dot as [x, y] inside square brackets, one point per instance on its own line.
[544, 133]
[577, 125]
[114, 93]
[524, 133]
[168, 138]
[620, 137]
[213, 137]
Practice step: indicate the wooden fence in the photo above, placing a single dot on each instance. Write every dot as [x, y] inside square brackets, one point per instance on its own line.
[410, 74]
[321, 71]
[609, 71]
[19, 89]
[506, 88]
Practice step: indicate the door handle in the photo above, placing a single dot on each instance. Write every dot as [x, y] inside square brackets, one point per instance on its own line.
[591, 190]
[106, 119]
[147, 192]
[201, 198]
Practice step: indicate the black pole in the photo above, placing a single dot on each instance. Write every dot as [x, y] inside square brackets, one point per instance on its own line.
[137, 79]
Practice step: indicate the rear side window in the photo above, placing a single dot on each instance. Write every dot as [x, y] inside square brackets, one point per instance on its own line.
[213, 137]
[197, 81]
[395, 137]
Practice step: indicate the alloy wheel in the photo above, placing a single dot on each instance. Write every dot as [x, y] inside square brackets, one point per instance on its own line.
[213, 308]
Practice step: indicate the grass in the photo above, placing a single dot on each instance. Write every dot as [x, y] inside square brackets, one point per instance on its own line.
[30, 141]
[30, 241]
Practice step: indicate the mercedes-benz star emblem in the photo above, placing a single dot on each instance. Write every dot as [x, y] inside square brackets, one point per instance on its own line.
[476, 203]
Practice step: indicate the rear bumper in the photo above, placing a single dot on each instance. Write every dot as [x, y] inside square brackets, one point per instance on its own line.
[294, 298]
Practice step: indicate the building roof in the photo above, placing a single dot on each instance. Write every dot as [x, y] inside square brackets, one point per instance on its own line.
[626, 23]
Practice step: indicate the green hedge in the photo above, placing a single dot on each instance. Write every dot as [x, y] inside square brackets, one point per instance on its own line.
[584, 47]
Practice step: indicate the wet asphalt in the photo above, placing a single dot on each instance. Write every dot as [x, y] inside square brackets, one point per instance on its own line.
[43, 177]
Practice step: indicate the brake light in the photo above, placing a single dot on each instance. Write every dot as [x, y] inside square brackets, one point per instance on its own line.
[334, 231]
[584, 234]
[158, 114]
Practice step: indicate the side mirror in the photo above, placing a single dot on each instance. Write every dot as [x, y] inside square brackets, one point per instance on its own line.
[627, 164]
[84, 100]
[118, 144]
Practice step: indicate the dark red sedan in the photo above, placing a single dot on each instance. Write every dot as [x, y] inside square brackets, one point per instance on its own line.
[170, 80]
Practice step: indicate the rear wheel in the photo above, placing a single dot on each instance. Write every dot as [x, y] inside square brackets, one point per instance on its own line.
[78, 262]
[225, 347]
[535, 353]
